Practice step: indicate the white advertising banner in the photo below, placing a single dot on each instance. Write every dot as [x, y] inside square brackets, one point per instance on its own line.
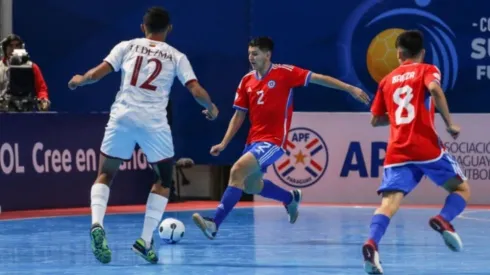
[338, 158]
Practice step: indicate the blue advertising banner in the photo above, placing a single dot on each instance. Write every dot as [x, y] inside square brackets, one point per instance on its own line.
[352, 40]
[355, 41]
[51, 160]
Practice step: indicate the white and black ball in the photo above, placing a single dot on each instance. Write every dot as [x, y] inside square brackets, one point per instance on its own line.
[171, 230]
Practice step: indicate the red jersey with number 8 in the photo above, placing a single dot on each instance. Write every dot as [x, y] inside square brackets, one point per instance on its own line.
[269, 101]
[404, 97]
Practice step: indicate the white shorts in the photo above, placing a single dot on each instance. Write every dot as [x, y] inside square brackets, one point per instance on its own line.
[120, 141]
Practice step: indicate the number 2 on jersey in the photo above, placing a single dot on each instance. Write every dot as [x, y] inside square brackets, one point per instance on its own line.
[136, 72]
[260, 100]
[404, 104]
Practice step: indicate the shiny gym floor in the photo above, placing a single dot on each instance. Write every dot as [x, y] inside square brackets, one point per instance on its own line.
[255, 239]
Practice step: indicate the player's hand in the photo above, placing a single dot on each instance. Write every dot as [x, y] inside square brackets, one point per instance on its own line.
[216, 149]
[75, 81]
[213, 114]
[453, 130]
[359, 95]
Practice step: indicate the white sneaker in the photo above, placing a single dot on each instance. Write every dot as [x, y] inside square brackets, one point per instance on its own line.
[449, 235]
[372, 265]
[292, 207]
[207, 225]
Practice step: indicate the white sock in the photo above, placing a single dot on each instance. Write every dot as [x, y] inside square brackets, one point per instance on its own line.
[99, 196]
[155, 206]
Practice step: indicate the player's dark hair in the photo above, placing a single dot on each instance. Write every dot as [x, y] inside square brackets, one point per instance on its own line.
[156, 19]
[411, 43]
[263, 43]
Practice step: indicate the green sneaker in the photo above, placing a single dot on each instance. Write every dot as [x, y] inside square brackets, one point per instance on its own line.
[99, 244]
[150, 255]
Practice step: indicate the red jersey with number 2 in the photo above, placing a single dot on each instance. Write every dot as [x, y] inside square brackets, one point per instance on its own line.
[269, 101]
[403, 95]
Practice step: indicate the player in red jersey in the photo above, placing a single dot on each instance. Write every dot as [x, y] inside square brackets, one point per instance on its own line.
[266, 94]
[405, 100]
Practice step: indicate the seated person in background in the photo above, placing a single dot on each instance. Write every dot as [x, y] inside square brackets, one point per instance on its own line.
[22, 84]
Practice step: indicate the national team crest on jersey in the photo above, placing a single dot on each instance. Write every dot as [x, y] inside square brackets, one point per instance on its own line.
[271, 84]
[306, 158]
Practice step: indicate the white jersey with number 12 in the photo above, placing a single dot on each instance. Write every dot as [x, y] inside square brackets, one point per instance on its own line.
[148, 69]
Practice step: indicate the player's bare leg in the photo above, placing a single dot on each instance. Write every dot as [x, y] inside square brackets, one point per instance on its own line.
[99, 195]
[390, 204]
[459, 194]
[155, 207]
[255, 184]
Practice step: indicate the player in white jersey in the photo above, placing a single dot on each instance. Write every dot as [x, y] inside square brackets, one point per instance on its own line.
[138, 116]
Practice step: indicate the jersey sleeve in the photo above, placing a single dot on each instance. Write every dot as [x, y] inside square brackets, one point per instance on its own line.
[241, 98]
[185, 73]
[297, 77]
[116, 56]
[378, 108]
[432, 74]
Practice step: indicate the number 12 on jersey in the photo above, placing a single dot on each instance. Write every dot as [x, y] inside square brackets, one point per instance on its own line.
[137, 69]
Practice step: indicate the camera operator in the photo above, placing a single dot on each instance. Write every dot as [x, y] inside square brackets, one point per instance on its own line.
[22, 86]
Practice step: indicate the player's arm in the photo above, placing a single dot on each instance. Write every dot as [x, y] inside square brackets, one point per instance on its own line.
[432, 81]
[188, 78]
[91, 76]
[202, 97]
[440, 102]
[111, 63]
[441, 105]
[235, 123]
[241, 105]
[331, 82]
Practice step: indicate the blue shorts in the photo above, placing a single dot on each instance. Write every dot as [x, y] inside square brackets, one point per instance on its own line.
[406, 177]
[266, 153]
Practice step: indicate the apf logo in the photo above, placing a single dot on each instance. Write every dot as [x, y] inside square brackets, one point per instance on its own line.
[306, 158]
[380, 54]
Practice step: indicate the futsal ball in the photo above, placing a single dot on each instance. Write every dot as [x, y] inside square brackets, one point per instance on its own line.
[171, 230]
[381, 55]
